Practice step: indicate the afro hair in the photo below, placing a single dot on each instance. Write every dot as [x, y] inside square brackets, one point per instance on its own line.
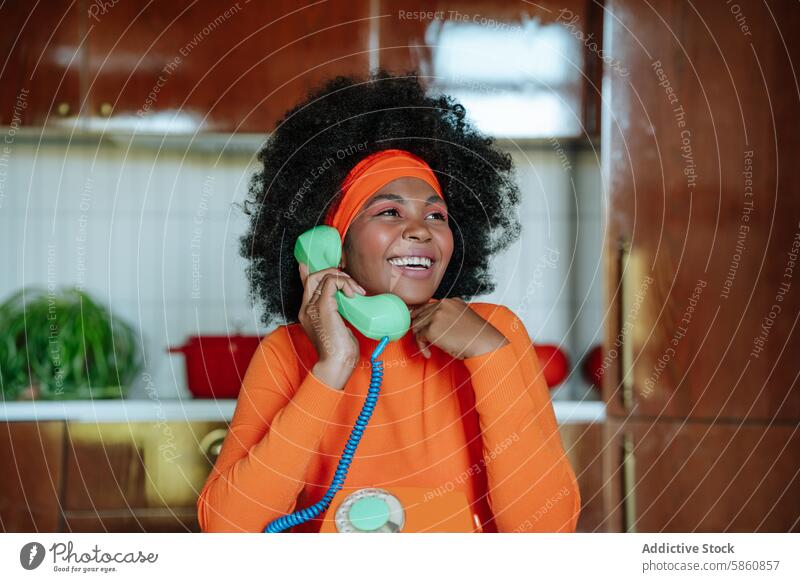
[316, 143]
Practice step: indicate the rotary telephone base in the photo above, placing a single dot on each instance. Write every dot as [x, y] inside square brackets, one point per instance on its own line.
[399, 510]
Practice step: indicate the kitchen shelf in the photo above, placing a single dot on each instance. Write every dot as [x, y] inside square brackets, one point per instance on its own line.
[567, 412]
[140, 410]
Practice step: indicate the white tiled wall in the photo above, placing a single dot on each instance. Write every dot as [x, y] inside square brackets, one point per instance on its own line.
[122, 223]
[134, 214]
[552, 277]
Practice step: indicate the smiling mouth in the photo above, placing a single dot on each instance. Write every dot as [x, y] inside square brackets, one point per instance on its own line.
[412, 263]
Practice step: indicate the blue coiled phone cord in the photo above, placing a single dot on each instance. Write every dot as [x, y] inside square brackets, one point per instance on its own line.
[311, 512]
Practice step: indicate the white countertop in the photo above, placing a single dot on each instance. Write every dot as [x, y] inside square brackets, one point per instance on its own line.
[579, 412]
[140, 410]
[567, 412]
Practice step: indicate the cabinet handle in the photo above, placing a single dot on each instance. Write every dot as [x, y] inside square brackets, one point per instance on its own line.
[63, 109]
[211, 444]
[626, 349]
[106, 109]
[628, 484]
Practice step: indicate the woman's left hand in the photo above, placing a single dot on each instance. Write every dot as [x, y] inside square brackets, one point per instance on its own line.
[454, 328]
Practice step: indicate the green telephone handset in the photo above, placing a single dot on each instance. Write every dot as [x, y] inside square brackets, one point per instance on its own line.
[376, 316]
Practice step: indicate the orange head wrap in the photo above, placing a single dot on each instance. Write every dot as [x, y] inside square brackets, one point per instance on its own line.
[371, 174]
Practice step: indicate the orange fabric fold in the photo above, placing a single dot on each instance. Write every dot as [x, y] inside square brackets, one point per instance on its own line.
[370, 175]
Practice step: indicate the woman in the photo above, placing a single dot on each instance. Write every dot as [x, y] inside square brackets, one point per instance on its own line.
[422, 202]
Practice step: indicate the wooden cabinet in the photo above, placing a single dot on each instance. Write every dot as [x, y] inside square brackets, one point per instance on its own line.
[42, 57]
[106, 477]
[703, 215]
[525, 69]
[585, 447]
[236, 67]
[687, 476]
[136, 476]
[521, 69]
[701, 249]
[167, 67]
[32, 466]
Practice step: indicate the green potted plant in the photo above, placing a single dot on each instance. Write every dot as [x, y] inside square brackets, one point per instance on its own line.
[62, 344]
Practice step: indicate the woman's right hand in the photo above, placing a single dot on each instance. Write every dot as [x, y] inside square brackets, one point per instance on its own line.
[337, 347]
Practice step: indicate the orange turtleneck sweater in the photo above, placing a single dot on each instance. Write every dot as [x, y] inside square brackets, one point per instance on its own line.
[483, 425]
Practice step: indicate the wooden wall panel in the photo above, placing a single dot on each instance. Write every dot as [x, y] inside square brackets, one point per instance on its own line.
[698, 149]
[31, 463]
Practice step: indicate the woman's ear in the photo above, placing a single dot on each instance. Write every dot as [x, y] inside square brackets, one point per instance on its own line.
[345, 249]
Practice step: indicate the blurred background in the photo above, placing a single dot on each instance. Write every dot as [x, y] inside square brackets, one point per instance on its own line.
[654, 273]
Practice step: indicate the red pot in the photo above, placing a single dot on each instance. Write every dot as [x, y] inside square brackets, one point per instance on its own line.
[593, 367]
[215, 364]
[554, 362]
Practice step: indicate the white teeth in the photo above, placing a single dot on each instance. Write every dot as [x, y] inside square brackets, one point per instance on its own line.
[424, 262]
